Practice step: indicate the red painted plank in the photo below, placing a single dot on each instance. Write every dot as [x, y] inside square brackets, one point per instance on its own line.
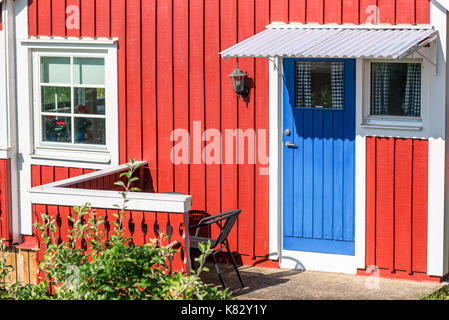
[385, 203]
[212, 69]
[197, 168]
[165, 94]
[422, 11]
[245, 122]
[103, 18]
[74, 172]
[181, 86]
[297, 10]
[58, 18]
[73, 18]
[403, 204]
[1, 19]
[333, 11]
[387, 11]
[64, 231]
[279, 10]
[32, 18]
[419, 218]
[351, 11]
[138, 236]
[315, 11]
[405, 11]
[4, 199]
[370, 244]
[149, 84]
[260, 223]
[61, 173]
[134, 81]
[88, 18]
[44, 17]
[118, 29]
[229, 174]
[35, 175]
[369, 11]
[48, 174]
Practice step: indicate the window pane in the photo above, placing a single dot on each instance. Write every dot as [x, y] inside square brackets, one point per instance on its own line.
[56, 99]
[89, 101]
[396, 89]
[55, 70]
[56, 129]
[90, 130]
[89, 71]
[319, 84]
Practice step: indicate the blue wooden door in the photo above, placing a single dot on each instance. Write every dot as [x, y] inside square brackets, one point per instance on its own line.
[319, 166]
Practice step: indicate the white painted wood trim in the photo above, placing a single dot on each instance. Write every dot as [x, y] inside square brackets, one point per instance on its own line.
[57, 193]
[360, 201]
[275, 158]
[360, 169]
[68, 43]
[437, 224]
[23, 106]
[301, 260]
[292, 25]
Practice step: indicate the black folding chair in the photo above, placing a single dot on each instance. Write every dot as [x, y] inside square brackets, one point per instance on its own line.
[217, 245]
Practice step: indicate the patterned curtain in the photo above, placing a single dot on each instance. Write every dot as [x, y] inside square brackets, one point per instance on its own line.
[303, 85]
[337, 85]
[380, 88]
[412, 103]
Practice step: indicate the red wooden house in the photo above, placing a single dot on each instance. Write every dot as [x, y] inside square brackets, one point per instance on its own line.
[337, 155]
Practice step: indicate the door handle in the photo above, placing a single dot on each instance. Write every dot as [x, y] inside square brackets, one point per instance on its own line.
[290, 145]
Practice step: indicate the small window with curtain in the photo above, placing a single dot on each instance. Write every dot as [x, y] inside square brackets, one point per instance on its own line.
[319, 84]
[395, 89]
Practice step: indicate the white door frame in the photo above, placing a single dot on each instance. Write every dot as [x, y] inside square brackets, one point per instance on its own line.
[301, 259]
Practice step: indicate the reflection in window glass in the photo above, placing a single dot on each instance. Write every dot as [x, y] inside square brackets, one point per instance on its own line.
[396, 89]
[88, 71]
[90, 100]
[55, 70]
[56, 129]
[90, 130]
[56, 99]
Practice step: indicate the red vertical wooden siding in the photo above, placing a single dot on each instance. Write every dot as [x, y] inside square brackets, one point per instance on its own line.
[396, 205]
[5, 233]
[170, 75]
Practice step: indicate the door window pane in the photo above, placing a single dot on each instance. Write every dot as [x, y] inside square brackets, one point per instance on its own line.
[56, 99]
[319, 84]
[55, 70]
[90, 130]
[89, 100]
[396, 89]
[56, 129]
[88, 71]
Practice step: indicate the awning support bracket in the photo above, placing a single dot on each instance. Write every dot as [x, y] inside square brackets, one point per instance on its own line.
[416, 49]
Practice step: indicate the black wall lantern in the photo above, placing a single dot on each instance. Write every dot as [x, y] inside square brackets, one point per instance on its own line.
[238, 78]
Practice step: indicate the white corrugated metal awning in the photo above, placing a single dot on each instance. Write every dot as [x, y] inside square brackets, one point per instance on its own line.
[337, 42]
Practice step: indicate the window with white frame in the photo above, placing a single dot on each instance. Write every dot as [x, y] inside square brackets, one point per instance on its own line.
[75, 105]
[395, 89]
[72, 100]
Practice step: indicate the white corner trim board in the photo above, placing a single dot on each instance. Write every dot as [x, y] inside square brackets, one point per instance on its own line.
[57, 193]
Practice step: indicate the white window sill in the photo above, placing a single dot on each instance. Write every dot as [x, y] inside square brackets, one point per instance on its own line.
[72, 156]
[395, 124]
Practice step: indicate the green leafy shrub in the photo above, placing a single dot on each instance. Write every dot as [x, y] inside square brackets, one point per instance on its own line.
[110, 268]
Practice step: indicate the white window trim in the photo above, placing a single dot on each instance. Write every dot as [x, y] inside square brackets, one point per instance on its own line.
[385, 121]
[96, 157]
